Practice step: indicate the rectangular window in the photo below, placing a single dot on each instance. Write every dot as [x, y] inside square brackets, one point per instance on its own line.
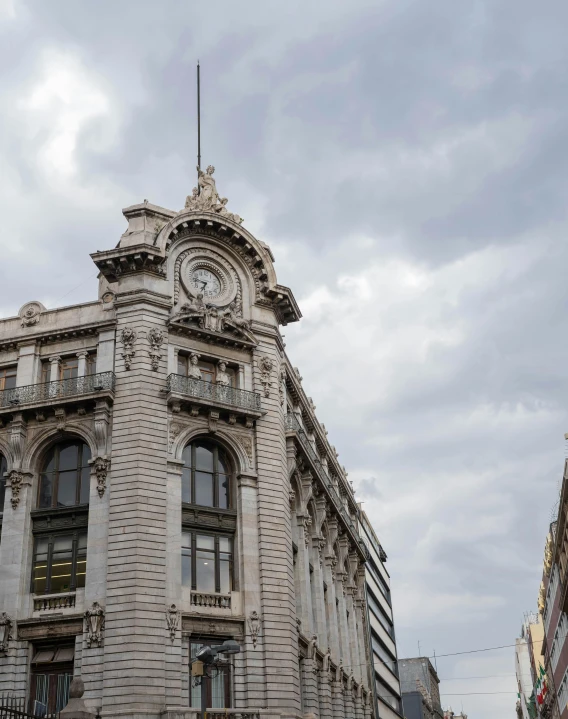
[59, 562]
[218, 686]
[207, 562]
[8, 377]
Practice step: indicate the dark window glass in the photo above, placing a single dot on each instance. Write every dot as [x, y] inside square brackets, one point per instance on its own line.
[65, 476]
[207, 562]
[8, 377]
[59, 563]
[206, 478]
[69, 368]
[219, 688]
[3, 470]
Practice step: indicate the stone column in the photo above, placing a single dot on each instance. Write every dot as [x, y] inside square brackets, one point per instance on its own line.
[304, 598]
[337, 695]
[174, 660]
[137, 627]
[105, 351]
[82, 365]
[275, 535]
[348, 698]
[359, 710]
[16, 550]
[342, 612]
[331, 614]
[356, 659]
[326, 711]
[318, 608]
[311, 698]
[55, 362]
[249, 683]
[28, 364]
[241, 377]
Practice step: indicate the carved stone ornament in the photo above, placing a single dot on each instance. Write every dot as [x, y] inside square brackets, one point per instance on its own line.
[101, 465]
[326, 660]
[156, 339]
[254, 626]
[246, 443]
[6, 625]
[16, 480]
[205, 197]
[312, 646]
[282, 385]
[30, 313]
[215, 319]
[172, 619]
[266, 366]
[128, 338]
[94, 625]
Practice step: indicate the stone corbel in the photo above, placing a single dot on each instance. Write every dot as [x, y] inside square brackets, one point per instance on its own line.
[94, 625]
[102, 421]
[60, 418]
[101, 465]
[16, 480]
[213, 421]
[18, 434]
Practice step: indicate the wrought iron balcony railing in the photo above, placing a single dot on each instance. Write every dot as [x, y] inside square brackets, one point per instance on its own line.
[293, 425]
[52, 391]
[210, 392]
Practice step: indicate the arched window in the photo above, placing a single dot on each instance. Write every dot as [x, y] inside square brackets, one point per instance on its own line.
[3, 470]
[65, 473]
[206, 477]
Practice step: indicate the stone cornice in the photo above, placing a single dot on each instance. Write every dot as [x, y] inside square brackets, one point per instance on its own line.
[45, 335]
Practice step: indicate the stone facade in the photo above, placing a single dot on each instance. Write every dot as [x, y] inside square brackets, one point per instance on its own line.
[181, 351]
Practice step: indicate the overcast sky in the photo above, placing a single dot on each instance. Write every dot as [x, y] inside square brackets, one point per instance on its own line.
[406, 161]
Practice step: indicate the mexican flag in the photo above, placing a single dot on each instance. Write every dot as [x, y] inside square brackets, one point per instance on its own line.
[541, 687]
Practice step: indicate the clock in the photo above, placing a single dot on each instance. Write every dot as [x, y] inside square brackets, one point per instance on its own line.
[205, 272]
[205, 281]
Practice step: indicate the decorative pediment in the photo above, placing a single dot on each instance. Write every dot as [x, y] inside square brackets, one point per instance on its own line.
[213, 323]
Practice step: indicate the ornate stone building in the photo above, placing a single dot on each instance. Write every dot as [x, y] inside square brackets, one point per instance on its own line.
[166, 484]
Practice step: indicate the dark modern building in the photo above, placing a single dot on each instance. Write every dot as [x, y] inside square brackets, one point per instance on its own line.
[420, 689]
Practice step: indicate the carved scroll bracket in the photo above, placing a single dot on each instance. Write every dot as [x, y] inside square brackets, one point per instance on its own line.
[94, 625]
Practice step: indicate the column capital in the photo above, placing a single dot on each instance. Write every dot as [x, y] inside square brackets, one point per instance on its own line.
[55, 359]
[83, 354]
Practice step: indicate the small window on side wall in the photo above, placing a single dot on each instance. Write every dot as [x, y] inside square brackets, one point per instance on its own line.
[8, 377]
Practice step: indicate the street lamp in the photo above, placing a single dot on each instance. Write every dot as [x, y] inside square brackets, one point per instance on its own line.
[204, 658]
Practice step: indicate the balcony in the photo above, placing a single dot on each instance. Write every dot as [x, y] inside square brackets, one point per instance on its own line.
[212, 600]
[292, 425]
[51, 602]
[196, 394]
[55, 394]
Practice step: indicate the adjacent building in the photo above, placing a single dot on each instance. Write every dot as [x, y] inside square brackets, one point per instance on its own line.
[420, 689]
[167, 484]
[381, 638]
[551, 687]
[529, 665]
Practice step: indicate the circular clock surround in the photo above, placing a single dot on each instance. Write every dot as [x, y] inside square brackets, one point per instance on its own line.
[212, 277]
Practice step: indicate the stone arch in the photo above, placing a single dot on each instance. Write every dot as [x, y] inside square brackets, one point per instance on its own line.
[37, 448]
[234, 449]
[6, 450]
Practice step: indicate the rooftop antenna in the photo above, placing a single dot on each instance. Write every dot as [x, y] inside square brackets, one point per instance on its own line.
[198, 127]
[435, 662]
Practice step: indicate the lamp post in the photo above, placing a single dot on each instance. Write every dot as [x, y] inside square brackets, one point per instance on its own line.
[204, 658]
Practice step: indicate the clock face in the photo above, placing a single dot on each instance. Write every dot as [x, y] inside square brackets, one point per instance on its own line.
[205, 281]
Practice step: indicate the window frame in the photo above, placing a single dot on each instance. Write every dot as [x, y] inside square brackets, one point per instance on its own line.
[55, 474]
[216, 552]
[192, 469]
[76, 557]
[3, 470]
[13, 369]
